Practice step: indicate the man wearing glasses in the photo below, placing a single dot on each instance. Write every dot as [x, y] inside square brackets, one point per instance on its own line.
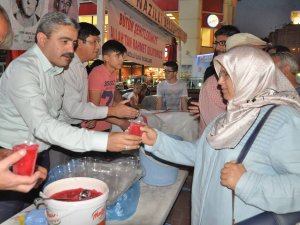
[221, 36]
[171, 93]
[211, 102]
[76, 107]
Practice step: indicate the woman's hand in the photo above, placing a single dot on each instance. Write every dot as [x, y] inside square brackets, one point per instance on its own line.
[231, 173]
[149, 135]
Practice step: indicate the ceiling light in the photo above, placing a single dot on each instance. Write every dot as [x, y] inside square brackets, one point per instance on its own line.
[172, 18]
[169, 14]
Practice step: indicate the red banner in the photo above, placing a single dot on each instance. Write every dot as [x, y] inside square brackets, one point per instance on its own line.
[144, 41]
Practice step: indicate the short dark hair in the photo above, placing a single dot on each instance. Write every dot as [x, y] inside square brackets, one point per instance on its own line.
[281, 48]
[113, 46]
[87, 29]
[227, 30]
[172, 64]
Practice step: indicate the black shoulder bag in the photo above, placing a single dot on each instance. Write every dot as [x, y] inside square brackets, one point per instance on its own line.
[265, 218]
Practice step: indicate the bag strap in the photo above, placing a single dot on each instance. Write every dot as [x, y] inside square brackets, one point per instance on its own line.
[248, 145]
[251, 139]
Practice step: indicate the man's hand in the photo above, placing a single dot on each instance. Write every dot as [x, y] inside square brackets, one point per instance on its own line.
[122, 141]
[194, 109]
[11, 181]
[121, 110]
[90, 124]
[43, 175]
[231, 173]
[124, 124]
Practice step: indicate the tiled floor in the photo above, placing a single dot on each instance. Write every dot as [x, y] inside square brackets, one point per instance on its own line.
[181, 211]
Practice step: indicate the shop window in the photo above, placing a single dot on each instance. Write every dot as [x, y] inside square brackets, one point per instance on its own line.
[88, 19]
[207, 37]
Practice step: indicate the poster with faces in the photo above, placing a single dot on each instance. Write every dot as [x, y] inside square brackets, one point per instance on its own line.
[25, 16]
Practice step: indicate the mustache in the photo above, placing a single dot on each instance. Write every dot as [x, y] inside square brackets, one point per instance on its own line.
[68, 54]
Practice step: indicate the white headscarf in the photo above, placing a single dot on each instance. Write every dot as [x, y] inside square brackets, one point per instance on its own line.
[256, 82]
[240, 39]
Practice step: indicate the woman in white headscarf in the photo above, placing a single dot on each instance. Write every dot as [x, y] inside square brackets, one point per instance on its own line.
[269, 178]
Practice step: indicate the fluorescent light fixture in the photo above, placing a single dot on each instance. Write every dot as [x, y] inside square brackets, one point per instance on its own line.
[172, 18]
[169, 14]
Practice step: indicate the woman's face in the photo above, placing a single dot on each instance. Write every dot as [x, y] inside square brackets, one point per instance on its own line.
[226, 85]
[29, 7]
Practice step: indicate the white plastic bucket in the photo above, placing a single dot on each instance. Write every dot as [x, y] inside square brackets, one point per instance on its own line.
[87, 212]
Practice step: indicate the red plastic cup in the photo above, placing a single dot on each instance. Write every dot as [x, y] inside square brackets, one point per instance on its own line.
[135, 128]
[26, 165]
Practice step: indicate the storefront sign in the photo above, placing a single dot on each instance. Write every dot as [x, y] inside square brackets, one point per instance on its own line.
[212, 20]
[153, 12]
[145, 42]
[295, 17]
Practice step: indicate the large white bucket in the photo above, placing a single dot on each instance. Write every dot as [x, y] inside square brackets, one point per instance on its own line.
[87, 212]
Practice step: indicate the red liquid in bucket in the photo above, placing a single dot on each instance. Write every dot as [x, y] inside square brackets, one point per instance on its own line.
[134, 128]
[73, 195]
[90, 212]
[26, 165]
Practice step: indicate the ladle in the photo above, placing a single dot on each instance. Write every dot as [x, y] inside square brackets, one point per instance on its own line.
[83, 195]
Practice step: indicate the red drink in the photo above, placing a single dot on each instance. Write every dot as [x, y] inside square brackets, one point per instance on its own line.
[73, 195]
[26, 165]
[135, 128]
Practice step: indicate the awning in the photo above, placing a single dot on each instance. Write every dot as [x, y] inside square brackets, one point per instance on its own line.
[151, 11]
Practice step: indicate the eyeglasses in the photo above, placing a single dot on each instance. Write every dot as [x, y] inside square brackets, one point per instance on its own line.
[169, 71]
[94, 43]
[221, 43]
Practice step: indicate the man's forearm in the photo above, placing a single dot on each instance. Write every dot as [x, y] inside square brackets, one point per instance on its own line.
[158, 104]
[184, 104]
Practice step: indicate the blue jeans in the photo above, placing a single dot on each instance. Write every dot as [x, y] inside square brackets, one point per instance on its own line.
[10, 208]
[12, 202]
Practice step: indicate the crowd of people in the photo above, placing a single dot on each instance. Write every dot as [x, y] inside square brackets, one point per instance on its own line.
[47, 95]
[32, 95]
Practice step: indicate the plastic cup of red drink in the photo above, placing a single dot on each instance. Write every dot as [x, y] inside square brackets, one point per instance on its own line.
[26, 165]
[135, 128]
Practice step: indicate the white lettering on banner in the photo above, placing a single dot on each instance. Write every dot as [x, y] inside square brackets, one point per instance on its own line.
[151, 10]
[144, 41]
